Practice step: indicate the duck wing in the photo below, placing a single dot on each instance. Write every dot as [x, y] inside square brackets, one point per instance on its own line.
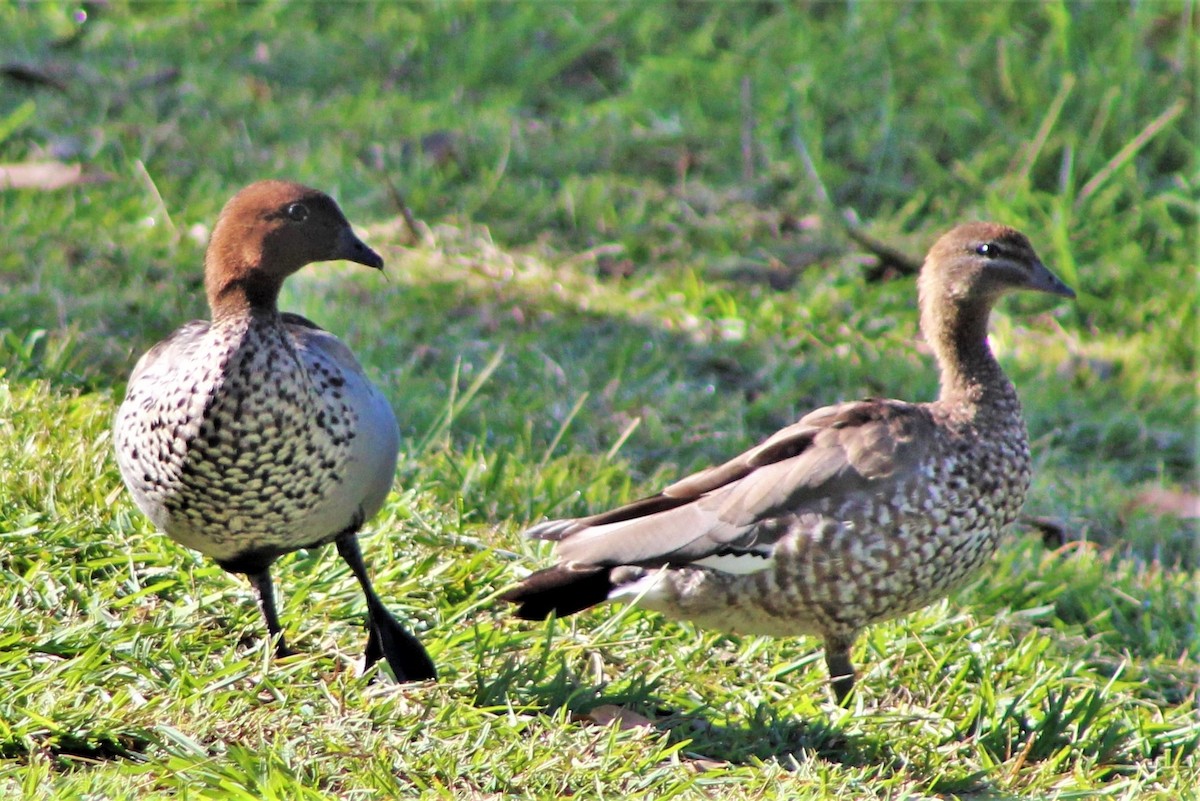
[741, 507]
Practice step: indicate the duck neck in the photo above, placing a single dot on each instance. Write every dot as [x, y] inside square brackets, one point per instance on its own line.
[971, 378]
[241, 291]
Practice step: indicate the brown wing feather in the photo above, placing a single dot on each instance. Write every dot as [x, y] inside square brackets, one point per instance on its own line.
[291, 318]
[307, 334]
[832, 452]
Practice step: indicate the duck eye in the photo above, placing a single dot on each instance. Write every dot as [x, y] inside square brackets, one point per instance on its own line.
[297, 212]
[986, 249]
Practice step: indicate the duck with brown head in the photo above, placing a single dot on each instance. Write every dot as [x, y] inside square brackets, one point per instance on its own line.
[857, 513]
[258, 433]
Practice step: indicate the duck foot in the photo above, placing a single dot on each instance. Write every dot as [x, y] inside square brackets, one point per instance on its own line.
[386, 638]
[841, 669]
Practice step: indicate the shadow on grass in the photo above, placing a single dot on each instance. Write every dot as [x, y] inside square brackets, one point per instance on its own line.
[704, 734]
[766, 738]
[75, 750]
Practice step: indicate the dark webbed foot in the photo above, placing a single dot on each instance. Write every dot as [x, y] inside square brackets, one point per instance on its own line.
[841, 671]
[386, 638]
[389, 640]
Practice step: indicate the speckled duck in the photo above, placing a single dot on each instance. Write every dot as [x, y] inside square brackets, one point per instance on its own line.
[257, 433]
[858, 513]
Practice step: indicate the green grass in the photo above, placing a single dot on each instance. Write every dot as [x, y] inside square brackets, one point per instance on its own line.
[616, 280]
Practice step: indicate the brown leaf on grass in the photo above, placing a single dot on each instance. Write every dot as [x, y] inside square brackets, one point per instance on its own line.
[605, 714]
[705, 764]
[1168, 503]
[47, 175]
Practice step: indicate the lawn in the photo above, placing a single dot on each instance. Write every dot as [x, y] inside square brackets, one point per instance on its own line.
[617, 250]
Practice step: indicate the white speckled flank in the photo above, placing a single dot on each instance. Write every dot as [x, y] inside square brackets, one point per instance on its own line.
[257, 433]
[857, 513]
[844, 562]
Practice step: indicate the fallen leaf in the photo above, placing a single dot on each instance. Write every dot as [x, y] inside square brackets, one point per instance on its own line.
[1172, 503]
[47, 175]
[605, 714]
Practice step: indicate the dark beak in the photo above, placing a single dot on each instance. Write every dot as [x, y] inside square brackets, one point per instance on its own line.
[351, 248]
[1045, 281]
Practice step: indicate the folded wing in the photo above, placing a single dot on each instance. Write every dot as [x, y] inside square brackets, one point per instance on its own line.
[832, 453]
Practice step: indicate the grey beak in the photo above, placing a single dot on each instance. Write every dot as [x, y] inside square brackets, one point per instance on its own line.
[351, 248]
[1045, 281]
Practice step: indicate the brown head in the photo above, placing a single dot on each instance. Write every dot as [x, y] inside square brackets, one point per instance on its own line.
[268, 231]
[981, 262]
[966, 272]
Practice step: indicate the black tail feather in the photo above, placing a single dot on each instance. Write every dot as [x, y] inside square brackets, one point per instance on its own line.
[561, 590]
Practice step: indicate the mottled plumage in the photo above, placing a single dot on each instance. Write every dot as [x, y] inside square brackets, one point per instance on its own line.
[257, 433]
[857, 513]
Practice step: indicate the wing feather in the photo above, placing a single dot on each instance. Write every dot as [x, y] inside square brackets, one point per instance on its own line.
[730, 509]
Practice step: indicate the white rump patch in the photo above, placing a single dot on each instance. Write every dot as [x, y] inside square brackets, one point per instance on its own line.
[738, 564]
[648, 588]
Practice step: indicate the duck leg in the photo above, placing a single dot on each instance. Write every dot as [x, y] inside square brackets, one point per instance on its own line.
[386, 637]
[265, 588]
[841, 670]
